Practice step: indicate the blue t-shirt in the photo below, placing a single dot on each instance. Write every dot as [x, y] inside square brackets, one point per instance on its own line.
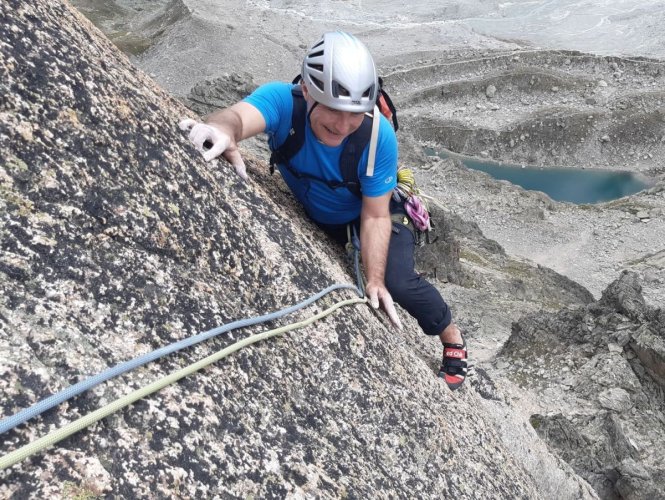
[323, 204]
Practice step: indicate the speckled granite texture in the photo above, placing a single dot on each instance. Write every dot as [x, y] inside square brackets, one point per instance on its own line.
[117, 238]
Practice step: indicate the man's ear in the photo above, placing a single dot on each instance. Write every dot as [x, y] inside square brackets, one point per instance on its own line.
[311, 103]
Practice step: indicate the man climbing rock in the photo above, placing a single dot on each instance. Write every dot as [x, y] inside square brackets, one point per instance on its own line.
[315, 129]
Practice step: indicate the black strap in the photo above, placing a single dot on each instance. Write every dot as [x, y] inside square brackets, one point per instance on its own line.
[349, 158]
[296, 139]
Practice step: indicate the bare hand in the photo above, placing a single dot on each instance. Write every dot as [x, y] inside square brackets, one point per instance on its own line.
[379, 296]
[222, 143]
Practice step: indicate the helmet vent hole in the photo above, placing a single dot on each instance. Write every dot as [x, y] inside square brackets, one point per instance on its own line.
[317, 82]
[317, 67]
[339, 90]
[316, 54]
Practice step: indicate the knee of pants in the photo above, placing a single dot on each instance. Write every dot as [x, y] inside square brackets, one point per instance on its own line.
[396, 284]
[421, 300]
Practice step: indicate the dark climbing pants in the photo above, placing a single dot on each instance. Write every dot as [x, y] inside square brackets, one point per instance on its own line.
[410, 290]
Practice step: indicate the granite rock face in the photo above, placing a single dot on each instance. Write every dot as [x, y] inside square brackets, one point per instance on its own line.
[599, 370]
[117, 239]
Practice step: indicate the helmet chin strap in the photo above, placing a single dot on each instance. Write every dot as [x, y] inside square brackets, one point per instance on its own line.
[309, 113]
[305, 93]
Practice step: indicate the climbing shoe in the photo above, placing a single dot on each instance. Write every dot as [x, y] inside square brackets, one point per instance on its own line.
[454, 365]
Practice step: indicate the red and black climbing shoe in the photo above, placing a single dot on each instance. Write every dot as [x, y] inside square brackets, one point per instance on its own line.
[454, 365]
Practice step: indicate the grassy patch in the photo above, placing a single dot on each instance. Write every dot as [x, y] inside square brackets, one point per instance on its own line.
[536, 421]
[473, 258]
[77, 492]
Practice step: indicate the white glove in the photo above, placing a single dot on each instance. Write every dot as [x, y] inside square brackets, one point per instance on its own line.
[222, 143]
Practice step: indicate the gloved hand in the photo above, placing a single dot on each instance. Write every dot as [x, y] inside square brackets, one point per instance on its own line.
[222, 143]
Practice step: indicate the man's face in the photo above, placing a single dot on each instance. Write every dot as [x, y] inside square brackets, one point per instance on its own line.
[331, 126]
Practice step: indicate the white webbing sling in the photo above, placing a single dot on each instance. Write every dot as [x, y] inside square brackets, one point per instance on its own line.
[374, 139]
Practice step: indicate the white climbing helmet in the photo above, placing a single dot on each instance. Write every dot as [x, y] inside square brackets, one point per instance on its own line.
[339, 73]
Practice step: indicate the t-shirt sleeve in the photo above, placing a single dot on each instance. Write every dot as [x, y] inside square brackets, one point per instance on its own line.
[385, 165]
[275, 102]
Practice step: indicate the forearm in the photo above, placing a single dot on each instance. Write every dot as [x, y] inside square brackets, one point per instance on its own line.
[374, 238]
[375, 232]
[228, 121]
[240, 121]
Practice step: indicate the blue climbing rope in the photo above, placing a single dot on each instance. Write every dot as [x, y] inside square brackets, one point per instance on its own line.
[71, 391]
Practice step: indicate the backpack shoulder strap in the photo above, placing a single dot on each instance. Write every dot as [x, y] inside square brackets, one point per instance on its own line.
[296, 137]
[350, 157]
[385, 104]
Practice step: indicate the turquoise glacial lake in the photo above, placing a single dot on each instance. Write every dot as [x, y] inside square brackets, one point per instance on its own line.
[574, 185]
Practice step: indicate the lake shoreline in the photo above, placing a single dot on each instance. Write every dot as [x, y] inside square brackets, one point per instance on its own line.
[647, 174]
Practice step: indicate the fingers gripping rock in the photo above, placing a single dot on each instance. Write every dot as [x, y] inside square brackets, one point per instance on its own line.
[380, 297]
[186, 124]
[202, 134]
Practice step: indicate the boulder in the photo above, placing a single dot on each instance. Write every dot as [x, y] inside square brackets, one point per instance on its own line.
[599, 371]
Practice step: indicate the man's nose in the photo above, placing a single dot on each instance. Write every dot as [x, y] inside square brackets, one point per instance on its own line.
[345, 122]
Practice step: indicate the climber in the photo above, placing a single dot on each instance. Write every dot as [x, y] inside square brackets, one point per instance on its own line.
[338, 89]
